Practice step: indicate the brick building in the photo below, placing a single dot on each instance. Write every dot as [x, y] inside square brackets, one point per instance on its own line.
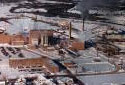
[77, 45]
[5, 39]
[33, 64]
[18, 40]
[40, 37]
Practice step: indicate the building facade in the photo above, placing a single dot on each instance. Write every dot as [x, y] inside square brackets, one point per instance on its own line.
[40, 37]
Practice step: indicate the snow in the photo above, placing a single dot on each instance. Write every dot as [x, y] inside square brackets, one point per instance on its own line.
[4, 10]
[87, 56]
[31, 10]
[6, 71]
[117, 78]
[20, 24]
[52, 2]
[74, 10]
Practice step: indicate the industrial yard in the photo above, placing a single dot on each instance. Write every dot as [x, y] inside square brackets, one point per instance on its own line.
[51, 42]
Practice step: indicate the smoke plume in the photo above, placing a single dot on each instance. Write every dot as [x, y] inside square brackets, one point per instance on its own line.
[85, 5]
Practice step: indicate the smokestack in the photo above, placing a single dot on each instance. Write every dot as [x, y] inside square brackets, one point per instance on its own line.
[70, 30]
[83, 28]
[85, 5]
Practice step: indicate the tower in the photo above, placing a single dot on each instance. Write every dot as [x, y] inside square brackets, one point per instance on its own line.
[70, 30]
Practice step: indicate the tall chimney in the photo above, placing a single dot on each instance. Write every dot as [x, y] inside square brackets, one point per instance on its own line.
[83, 25]
[70, 30]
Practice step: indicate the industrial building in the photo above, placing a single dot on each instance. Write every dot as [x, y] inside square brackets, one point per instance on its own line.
[5, 39]
[115, 37]
[40, 37]
[17, 39]
[77, 45]
[35, 37]
[32, 65]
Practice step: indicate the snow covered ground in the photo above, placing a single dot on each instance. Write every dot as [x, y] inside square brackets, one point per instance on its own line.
[20, 23]
[110, 79]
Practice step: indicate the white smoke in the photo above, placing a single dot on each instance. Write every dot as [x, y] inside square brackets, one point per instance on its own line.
[85, 5]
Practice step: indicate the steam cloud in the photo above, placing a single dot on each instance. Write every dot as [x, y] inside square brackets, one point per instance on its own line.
[85, 5]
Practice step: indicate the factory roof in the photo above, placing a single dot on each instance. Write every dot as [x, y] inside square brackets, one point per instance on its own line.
[107, 79]
[42, 31]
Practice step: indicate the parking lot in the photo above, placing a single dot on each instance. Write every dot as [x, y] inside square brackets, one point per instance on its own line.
[8, 52]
